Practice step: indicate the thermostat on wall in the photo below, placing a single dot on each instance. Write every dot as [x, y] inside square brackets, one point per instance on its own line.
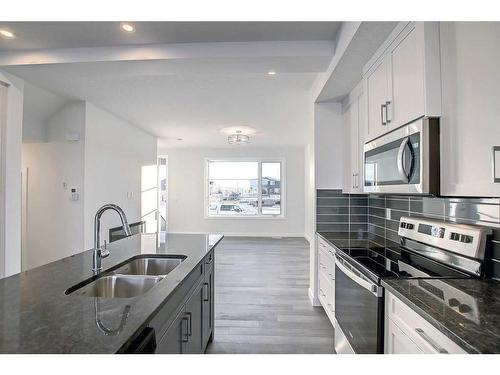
[74, 194]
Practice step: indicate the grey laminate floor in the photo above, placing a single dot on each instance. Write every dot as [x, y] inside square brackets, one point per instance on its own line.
[261, 302]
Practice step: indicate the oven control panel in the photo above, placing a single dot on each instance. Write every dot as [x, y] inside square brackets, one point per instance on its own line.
[462, 239]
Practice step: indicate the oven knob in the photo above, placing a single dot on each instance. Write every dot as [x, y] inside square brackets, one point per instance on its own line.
[463, 308]
[453, 302]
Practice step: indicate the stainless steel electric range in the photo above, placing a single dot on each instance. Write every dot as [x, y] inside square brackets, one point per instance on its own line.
[429, 249]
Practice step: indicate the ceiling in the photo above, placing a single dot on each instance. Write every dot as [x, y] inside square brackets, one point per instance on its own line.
[43, 35]
[40, 104]
[171, 100]
[189, 97]
[195, 93]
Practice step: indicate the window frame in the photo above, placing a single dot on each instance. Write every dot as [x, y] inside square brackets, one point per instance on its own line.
[260, 215]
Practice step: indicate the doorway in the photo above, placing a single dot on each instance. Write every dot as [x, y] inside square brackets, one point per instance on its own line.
[162, 194]
[3, 119]
[154, 196]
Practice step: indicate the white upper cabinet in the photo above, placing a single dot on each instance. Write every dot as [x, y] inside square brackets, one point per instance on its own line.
[353, 122]
[405, 80]
[470, 124]
[402, 81]
[376, 83]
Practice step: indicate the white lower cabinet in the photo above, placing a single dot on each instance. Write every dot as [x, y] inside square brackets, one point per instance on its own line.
[326, 278]
[396, 342]
[406, 332]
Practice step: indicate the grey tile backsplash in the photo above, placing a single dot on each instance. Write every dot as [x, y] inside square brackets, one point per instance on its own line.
[379, 216]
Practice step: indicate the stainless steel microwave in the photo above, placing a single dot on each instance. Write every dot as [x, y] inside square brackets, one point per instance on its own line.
[404, 161]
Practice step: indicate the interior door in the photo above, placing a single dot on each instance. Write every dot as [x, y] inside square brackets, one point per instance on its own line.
[406, 81]
[376, 91]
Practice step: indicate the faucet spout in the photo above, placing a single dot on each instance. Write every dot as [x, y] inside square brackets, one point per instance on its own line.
[100, 253]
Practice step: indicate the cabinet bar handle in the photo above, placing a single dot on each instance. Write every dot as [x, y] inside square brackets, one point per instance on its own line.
[382, 110]
[185, 337]
[387, 112]
[431, 342]
[205, 292]
[190, 332]
[496, 149]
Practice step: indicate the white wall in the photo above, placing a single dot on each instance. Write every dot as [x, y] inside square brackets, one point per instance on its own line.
[11, 188]
[34, 130]
[53, 224]
[115, 152]
[325, 158]
[186, 189]
[328, 145]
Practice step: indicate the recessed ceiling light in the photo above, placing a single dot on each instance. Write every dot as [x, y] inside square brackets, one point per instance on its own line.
[271, 72]
[7, 33]
[180, 139]
[128, 27]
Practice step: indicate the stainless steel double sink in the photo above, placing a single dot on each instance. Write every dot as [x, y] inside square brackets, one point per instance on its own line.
[132, 278]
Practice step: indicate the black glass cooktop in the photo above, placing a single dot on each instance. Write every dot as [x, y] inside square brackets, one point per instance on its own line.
[378, 263]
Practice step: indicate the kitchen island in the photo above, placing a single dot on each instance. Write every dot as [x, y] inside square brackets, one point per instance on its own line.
[37, 316]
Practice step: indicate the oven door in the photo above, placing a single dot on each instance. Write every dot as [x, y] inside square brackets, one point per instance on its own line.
[359, 311]
[394, 163]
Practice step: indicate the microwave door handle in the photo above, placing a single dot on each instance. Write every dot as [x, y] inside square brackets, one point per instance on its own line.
[372, 288]
[401, 162]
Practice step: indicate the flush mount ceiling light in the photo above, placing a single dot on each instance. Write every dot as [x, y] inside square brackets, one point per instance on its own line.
[238, 139]
[238, 135]
[271, 72]
[246, 130]
[128, 27]
[7, 33]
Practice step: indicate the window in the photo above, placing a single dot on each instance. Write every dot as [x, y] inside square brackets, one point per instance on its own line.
[244, 188]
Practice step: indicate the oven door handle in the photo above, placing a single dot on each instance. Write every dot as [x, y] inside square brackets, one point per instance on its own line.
[405, 175]
[371, 287]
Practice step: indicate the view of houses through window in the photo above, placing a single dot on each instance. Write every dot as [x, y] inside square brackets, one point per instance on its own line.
[244, 188]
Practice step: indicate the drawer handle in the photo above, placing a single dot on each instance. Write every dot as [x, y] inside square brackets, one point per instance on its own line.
[331, 307]
[321, 292]
[430, 341]
[322, 265]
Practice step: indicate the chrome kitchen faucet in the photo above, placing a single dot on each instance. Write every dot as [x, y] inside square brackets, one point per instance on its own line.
[99, 252]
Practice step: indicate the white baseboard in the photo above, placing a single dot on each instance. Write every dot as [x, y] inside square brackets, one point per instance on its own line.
[247, 234]
[308, 238]
[314, 300]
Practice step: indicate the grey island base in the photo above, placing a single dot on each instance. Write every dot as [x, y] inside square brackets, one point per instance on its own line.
[50, 309]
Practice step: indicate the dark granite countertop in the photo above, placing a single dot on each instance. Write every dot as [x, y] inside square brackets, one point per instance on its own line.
[344, 240]
[36, 316]
[477, 331]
